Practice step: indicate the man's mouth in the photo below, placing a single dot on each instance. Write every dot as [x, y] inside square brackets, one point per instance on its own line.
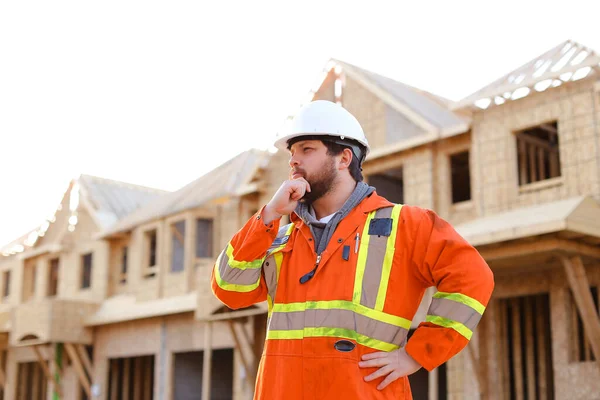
[297, 174]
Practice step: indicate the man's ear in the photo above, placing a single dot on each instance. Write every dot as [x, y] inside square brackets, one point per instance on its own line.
[345, 158]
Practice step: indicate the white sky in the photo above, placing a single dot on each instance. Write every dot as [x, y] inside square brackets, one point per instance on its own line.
[159, 93]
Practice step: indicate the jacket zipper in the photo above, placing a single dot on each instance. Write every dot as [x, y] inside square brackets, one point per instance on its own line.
[307, 277]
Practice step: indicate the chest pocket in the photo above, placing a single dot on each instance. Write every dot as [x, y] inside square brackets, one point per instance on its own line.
[272, 264]
[375, 257]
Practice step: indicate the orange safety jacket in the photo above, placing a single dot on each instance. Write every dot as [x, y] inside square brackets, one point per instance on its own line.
[359, 296]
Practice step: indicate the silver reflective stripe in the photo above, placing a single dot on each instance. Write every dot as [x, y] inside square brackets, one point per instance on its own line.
[374, 264]
[455, 311]
[270, 264]
[237, 276]
[270, 270]
[340, 319]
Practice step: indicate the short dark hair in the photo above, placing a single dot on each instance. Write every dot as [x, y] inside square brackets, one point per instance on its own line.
[335, 149]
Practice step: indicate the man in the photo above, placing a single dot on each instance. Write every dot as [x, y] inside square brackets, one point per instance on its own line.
[344, 279]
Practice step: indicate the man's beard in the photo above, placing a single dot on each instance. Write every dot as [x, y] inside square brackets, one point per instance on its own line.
[321, 183]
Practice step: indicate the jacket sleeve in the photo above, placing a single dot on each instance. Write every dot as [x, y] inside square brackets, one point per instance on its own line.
[464, 282]
[237, 279]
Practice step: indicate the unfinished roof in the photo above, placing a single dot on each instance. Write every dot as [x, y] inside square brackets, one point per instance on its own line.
[427, 110]
[106, 200]
[232, 178]
[113, 200]
[578, 215]
[569, 61]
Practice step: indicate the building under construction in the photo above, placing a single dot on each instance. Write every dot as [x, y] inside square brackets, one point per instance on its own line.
[110, 298]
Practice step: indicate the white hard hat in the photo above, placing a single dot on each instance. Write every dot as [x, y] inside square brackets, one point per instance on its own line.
[325, 118]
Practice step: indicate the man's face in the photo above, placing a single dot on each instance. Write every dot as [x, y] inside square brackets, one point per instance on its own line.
[309, 160]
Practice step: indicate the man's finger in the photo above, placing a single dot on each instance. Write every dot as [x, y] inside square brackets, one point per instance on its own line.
[375, 362]
[389, 379]
[371, 356]
[379, 373]
[297, 193]
[307, 185]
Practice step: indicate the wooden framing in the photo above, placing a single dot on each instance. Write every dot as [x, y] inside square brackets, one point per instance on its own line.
[2, 372]
[83, 355]
[545, 245]
[55, 378]
[79, 369]
[527, 249]
[477, 370]
[585, 303]
[248, 364]
[234, 314]
[207, 361]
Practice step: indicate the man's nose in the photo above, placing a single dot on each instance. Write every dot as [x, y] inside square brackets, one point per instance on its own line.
[293, 162]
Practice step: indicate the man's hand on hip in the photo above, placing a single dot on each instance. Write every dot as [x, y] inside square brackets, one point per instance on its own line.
[395, 364]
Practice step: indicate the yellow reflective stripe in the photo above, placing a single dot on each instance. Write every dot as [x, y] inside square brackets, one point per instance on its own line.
[256, 264]
[362, 260]
[344, 305]
[292, 334]
[461, 298]
[278, 260]
[332, 332]
[388, 260]
[230, 286]
[448, 323]
[269, 304]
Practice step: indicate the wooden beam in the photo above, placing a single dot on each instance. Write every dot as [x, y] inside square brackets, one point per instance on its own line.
[519, 249]
[516, 347]
[537, 142]
[541, 159]
[533, 175]
[42, 362]
[79, 369]
[476, 368]
[233, 315]
[125, 379]
[58, 365]
[580, 287]
[148, 371]
[530, 348]
[207, 361]
[46, 369]
[177, 234]
[23, 378]
[522, 161]
[114, 379]
[35, 382]
[246, 336]
[138, 366]
[432, 384]
[549, 128]
[247, 367]
[85, 358]
[502, 348]
[541, 343]
[2, 374]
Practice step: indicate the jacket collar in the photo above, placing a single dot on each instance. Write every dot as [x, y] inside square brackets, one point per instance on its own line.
[370, 203]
